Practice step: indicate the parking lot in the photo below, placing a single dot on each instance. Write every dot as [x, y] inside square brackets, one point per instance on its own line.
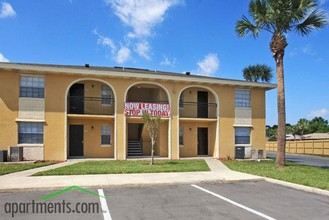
[244, 200]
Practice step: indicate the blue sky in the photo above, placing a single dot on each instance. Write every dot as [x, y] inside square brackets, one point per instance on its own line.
[169, 35]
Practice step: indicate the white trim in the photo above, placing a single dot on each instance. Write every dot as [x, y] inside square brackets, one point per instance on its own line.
[30, 120]
[239, 126]
[106, 145]
[30, 145]
[243, 145]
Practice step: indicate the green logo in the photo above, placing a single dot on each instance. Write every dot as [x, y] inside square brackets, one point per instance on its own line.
[68, 189]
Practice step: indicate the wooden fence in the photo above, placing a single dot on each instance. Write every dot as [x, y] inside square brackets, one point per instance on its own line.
[317, 147]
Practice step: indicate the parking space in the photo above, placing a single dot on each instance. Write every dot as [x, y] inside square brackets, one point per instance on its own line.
[244, 200]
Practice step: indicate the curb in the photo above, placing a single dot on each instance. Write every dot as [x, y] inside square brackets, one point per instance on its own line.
[298, 187]
[32, 189]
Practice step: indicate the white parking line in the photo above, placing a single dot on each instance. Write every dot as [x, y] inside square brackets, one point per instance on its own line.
[105, 208]
[234, 203]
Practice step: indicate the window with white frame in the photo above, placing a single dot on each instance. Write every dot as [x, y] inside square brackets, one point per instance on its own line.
[181, 136]
[32, 86]
[30, 133]
[181, 100]
[106, 95]
[242, 135]
[242, 98]
[106, 135]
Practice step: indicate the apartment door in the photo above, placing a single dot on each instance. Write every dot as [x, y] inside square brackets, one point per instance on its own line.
[202, 104]
[202, 141]
[76, 98]
[76, 140]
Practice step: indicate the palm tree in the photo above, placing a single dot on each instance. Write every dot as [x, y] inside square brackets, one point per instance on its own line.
[254, 73]
[279, 17]
[303, 125]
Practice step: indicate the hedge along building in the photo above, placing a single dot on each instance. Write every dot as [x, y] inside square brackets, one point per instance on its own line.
[56, 112]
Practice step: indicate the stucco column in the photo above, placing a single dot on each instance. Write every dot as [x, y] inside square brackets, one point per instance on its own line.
[120, 137]
[174, 138]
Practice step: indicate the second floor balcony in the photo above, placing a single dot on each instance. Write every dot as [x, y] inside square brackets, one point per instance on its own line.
[90, 105]
[197, 110]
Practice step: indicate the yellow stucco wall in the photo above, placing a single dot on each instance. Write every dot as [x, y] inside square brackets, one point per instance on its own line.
[56, 119]
[190, 146]
[9, 89]
[92, 146]
[258, 132]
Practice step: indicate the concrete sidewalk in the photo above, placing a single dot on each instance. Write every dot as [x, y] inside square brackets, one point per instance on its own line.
[24, 181]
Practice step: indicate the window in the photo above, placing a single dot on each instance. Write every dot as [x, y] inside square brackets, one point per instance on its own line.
[242, 135]
[30, 133]
[32, 86]
[106, 135]
[106, 95]
[181, 136]
[181, 100]
[242, 98]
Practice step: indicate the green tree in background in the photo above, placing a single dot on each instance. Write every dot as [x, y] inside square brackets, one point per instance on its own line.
[259, 72]
[318, 125]
[303, 126]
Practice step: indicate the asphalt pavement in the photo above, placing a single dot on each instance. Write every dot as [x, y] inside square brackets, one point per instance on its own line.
[310, 160]
[239, 200]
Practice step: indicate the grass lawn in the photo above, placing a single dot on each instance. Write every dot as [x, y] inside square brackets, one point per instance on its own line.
[118, 167]
[294, 173]
[11, 168]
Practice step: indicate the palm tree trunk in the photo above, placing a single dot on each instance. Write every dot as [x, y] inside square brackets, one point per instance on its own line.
[280, 157]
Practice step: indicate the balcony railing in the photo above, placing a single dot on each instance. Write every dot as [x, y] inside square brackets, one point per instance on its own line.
[197, 110]
[90, 105]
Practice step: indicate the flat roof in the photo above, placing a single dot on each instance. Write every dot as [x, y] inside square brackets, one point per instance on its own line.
[125, 72]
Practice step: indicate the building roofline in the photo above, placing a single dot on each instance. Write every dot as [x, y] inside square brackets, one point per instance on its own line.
[130, 73]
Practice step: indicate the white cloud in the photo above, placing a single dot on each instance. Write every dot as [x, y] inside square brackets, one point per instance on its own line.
[3, 58]
[307, 50]
[6, 10]
[105, 41]
[143, 49]
[141, 15]
[123, 55]
[167, 62]
[209, 65]
[318, 113]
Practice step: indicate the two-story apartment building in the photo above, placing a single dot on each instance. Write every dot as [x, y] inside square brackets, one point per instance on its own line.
[56, 112]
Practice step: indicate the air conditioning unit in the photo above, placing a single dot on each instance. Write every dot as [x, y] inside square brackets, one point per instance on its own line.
[16, 154]
[256, 154]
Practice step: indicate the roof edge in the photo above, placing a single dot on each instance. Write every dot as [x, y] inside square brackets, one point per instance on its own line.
[131, 72]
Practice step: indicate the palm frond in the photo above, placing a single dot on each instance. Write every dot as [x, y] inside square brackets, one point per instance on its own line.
[244, 27]
[259, 72]
[258, 9]
[317, 19]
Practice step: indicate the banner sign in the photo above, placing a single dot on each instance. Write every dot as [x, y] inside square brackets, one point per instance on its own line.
[154, 109]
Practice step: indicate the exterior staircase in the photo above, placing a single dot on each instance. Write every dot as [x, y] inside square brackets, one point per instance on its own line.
[134, 148]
